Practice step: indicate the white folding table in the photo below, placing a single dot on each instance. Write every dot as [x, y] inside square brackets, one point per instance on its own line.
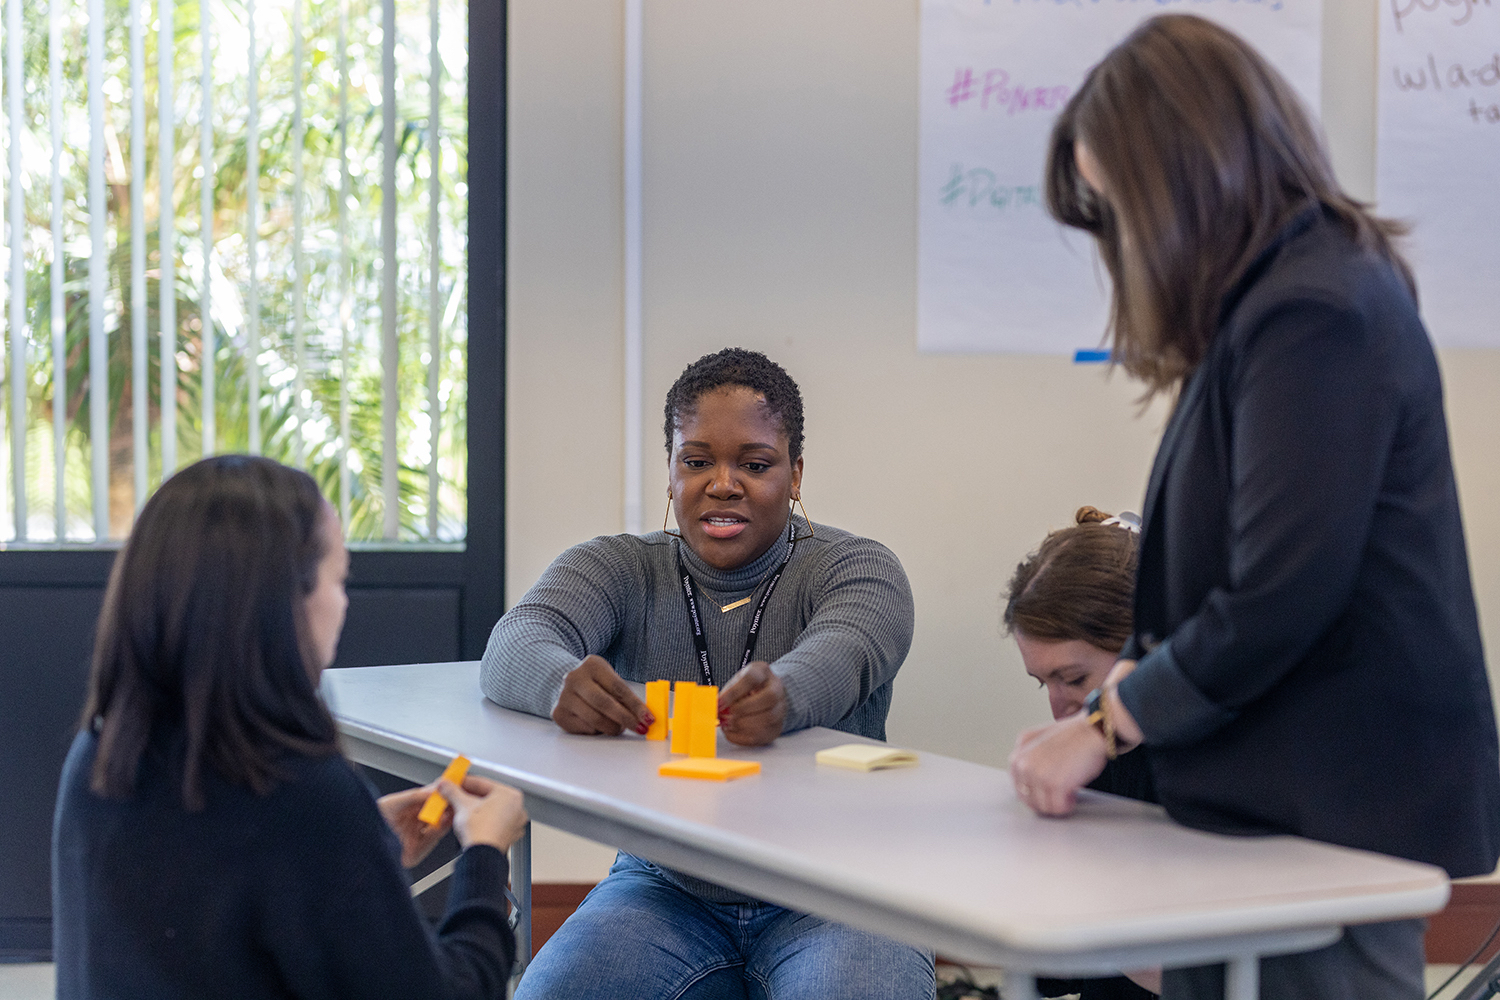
[940, 855]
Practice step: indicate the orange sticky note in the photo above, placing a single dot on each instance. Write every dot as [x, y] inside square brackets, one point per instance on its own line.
[708, 768]
[657, 694]
[432, 809]
[703, 741]
[682, 715]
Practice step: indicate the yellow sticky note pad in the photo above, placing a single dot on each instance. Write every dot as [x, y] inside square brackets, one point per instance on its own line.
[432, 809]
[866, 757]
[709, 768]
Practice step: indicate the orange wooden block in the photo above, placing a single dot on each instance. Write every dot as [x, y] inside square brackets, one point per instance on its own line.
[432, 809]
[682, 714]
[703, 739]
[657, 695]
[709, 768]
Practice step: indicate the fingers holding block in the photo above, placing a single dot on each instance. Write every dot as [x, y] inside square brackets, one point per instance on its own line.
[657, 696]
[433, 808]
[709, 768]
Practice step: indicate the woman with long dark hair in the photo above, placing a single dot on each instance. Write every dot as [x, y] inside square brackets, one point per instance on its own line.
[1306, 655]
[210, 840]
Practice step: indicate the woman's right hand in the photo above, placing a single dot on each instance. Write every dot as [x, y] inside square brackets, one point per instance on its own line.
[485, 812]
[596, 700]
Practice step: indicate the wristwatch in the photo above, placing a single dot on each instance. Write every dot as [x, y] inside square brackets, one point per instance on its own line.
[1096, 709]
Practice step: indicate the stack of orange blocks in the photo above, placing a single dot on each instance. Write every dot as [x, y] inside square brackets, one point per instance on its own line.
[692, 727]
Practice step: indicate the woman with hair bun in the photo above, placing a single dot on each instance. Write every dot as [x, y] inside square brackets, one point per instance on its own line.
[210, 840]
[1305, 656]
[1068, 608]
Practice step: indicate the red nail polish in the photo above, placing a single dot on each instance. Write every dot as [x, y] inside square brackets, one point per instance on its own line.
[641, 728]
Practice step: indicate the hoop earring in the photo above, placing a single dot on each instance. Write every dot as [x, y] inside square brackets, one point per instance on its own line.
[791, 510]
[668, 513]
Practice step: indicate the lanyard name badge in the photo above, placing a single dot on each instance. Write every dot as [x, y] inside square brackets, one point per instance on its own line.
[690, 597]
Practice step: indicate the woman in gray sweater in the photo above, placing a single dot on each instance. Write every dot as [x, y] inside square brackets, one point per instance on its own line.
[802, 625]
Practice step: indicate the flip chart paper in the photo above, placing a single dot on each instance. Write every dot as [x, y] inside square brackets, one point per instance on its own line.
[1438, 158]
[995, 273]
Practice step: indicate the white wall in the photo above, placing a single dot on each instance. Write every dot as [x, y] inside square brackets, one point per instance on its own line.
[780, 215]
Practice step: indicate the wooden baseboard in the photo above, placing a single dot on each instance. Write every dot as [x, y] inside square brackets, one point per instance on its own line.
[551, 904]
[1452, 935]
[1471, 914]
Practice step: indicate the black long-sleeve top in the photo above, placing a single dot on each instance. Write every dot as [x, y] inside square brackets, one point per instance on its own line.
[298, 893]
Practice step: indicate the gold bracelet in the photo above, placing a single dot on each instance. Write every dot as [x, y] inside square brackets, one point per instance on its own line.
[1099, 718]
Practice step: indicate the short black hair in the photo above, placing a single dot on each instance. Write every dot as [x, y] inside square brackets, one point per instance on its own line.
[202, 631]
[737, 366]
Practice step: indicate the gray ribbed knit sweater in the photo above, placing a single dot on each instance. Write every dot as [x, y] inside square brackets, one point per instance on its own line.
[835, 631]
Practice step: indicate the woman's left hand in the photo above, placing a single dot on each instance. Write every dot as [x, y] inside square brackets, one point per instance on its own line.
[417, 838]
[1051, 763]
[752, 706]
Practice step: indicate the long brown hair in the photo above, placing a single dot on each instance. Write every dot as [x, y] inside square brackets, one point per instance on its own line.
[1206, 153]
[201, 639]
[1079, 584]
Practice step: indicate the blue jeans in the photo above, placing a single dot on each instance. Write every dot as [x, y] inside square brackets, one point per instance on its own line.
[637, 935]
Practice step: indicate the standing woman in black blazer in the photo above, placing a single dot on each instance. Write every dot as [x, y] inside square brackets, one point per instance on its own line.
[1306, 656]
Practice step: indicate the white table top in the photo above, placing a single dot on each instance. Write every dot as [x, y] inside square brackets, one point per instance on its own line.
[940, 855]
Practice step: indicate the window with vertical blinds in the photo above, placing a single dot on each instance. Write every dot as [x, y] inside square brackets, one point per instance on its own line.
[234, 225]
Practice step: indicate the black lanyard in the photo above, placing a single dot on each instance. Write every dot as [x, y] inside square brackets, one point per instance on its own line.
[690, 595]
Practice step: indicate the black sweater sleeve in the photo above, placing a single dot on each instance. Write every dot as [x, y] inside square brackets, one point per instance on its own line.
[338, 920]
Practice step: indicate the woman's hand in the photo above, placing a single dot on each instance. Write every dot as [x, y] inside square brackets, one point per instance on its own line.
[596, 700]
[752, 706]
[1051, 763]
[484, 812]
[417, 838]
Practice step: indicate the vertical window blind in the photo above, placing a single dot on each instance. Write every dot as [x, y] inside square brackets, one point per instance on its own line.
[234, 225]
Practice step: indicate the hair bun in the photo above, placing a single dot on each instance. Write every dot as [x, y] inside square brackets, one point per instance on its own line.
[1090, 515]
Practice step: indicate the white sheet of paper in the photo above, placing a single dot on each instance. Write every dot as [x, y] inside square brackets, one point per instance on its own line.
[1438, 158]
[995, 273]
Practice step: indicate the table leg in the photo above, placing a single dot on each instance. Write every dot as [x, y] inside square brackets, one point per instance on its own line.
[1242, 978]
[1019, 986]
[520, 882]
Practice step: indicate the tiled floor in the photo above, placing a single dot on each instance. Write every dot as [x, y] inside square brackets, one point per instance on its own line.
[34, 982]
[26, 982]
[1435, 975]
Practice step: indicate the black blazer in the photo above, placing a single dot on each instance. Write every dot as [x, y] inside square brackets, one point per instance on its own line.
[1309, 650]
